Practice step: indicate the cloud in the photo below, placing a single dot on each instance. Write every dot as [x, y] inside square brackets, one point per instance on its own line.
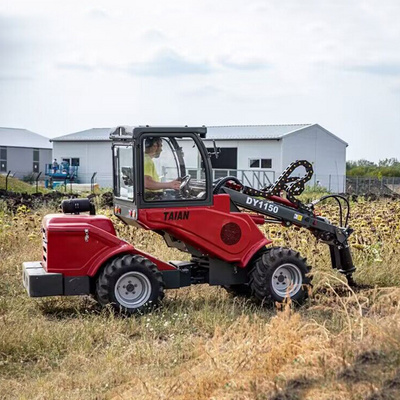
[154, 36]
[378, 69]
[98, 13]
[245, 65]
[13, 43]
[75, 66]
[24, 47]
[168, 64]
[5, 77]
[203, 91]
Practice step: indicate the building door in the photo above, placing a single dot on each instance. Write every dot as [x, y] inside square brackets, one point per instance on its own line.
[227, 158]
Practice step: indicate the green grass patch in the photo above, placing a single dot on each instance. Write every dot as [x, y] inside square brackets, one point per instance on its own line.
[18, 186]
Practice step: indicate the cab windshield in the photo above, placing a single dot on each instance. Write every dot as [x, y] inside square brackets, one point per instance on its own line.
[173, 169]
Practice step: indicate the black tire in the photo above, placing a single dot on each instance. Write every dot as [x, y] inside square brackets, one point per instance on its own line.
[280, 273]
[131, 284]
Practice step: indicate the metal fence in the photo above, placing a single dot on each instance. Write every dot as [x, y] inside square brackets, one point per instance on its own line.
[331, 183]
[39, 179]
[32, 177]
[254, 178]
[257, 179]
[26, 176]
[372, 185]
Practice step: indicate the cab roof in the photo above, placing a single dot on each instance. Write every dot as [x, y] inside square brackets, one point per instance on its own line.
[129, 132]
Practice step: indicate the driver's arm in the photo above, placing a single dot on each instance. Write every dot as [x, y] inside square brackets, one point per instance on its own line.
[151, 184]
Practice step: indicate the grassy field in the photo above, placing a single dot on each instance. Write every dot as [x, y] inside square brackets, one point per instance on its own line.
[16, 185]
[204, 344]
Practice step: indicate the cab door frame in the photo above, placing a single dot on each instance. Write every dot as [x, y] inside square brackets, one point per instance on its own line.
[124, 208]
[138, 156]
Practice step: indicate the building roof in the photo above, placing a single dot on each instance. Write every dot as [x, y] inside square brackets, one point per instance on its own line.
[246, 132]
[235, 132]
[14, 137]
[213, 132]
[94, 134]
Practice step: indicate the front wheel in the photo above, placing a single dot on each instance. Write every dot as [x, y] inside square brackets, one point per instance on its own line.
[278, 274]
[131, 284]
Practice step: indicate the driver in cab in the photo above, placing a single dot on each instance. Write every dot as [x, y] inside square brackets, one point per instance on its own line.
[153, 149]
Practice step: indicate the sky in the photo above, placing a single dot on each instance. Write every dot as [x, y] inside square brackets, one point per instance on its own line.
[67, 66]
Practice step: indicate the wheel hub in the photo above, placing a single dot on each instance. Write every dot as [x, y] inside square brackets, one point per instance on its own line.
[287, 280]
[281, 278]
[133, 289]
[130, 287]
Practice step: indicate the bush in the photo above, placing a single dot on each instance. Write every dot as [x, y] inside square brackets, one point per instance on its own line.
[28, 178]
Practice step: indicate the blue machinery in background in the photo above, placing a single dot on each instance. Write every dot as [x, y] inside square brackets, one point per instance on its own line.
[61, 174]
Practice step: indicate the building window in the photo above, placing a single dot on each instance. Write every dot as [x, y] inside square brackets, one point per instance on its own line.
[3, 159]
[36, 155]
[266, 163]
[255, 163]
[73, 162]
[260, 163]
[35, 160]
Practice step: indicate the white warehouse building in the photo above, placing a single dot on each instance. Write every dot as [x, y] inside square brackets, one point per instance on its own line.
[23, 153]
[256, 154]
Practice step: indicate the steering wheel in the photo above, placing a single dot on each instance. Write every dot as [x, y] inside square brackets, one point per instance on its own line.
[184, 187]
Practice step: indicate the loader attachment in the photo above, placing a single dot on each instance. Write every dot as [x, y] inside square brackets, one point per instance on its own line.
[291, 211]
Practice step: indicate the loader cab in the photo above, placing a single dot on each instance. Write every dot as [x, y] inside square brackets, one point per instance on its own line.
[159, 168]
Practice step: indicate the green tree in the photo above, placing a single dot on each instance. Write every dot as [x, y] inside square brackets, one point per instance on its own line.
[387, 167]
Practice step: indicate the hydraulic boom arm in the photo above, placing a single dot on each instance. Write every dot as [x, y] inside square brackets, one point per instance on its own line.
[290, 211]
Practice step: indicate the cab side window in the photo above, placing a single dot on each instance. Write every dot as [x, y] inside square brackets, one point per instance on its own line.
[123, 169]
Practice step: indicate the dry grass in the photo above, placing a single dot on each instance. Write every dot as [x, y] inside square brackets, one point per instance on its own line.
[204, 344]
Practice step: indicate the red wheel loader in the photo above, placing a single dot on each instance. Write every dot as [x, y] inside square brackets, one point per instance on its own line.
[163, 182]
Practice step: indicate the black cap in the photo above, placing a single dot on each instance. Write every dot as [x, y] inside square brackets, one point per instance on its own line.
[150, 141]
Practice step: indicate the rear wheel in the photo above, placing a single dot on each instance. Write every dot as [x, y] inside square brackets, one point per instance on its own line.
[278, 274]
[131, 284]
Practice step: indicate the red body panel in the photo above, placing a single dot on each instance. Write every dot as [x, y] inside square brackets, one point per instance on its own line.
[202, 229]
[78, 245]
[65, 249]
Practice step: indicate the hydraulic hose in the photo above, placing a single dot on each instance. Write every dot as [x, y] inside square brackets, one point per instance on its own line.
[222, 182]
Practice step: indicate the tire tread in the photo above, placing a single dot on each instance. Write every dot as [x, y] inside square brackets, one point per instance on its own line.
[104, 285]
[263, 268]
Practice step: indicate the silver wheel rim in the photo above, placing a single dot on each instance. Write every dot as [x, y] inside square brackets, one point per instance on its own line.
[133, 289]
[287, 280]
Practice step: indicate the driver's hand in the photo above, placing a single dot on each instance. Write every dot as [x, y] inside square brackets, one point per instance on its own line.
[175, 185]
